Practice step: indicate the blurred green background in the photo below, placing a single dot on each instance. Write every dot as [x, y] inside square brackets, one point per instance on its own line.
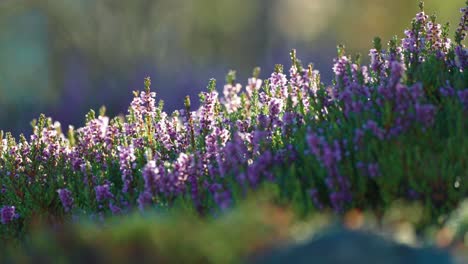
[63, 57]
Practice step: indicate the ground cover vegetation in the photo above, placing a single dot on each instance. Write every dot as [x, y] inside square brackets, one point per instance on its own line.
[395, 129]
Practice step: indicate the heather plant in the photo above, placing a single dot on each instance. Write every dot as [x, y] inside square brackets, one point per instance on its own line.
[393, 129]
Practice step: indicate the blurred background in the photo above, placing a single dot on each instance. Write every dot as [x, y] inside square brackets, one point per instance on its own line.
[64, 57]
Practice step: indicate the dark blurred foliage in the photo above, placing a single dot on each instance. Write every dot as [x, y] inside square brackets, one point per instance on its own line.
[63, 57]
[355, 248]
[263, 233]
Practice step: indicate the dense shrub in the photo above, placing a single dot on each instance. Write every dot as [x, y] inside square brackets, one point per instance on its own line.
[394, 129]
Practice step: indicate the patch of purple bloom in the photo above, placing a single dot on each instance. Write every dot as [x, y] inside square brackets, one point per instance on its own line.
[7, 214]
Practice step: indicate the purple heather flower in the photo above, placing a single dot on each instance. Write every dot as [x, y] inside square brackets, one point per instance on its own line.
[215, 187]
[374, 128]
[425, 114]
[264, 121]
[344, 184]
[409, 43]
[358, 137]
[330, 182]
[413, 194]
[103, 192]
[275, 105]
[7, 214]
[360, 166]
[447, 91]
[396, 72]
[144, 200]
[373, 170]
[460, 32]
[337, 200]
[376, 62]
[314, 194]
[328, 156]
[136, 107]
[463, 96]
[223, 199]
[314, 142]
[259, 168]
[288, 118]
[339, 68]
[462, 57]
[66, 198]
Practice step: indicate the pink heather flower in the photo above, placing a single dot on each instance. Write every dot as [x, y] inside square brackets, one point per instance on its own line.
[434, 34]
[136, 107]
[207, 111]
[277, 80]
[151, 174]
[365, 74]
[143, 105]
[126, 159]
[421, 17]
[231, 99]
[148, 103]
[253, 84]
